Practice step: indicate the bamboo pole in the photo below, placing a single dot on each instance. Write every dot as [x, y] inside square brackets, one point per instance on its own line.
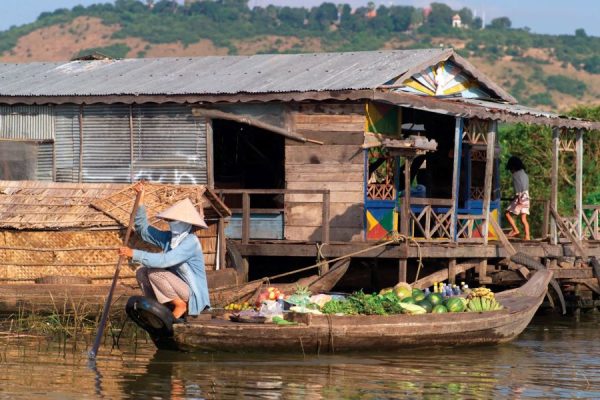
[107, 304]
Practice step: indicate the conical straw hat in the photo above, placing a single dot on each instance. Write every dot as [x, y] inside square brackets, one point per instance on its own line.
[184, 211]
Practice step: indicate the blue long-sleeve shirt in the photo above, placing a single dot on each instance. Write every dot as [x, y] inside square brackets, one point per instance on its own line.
[186, 260]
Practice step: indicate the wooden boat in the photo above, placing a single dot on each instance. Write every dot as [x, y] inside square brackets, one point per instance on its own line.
[88, 299]
[325, 333]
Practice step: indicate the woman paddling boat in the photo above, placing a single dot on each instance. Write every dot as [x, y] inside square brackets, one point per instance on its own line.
[177, 275]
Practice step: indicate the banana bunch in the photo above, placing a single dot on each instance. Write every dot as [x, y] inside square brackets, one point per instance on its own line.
[481, 292]
[481, 304]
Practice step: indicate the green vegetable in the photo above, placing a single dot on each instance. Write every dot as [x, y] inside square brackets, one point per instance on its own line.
[418, 295]
[280, 321]
[439, 309]
[409, 308]
[435, 298]
[454, 304]
[338, 307]
[426, 305]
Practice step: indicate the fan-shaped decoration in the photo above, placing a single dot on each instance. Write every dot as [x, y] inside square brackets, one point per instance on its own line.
[445, 79]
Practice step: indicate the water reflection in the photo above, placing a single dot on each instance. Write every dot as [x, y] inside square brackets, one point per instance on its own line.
[554, 358]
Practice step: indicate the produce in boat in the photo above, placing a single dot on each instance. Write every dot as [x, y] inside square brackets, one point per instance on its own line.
[270, 293]
[482, 299]
[403, 290]
[426, 305]
[408, 300]
[440, 308]
[238, 306]
[435, 298]
[454, 304]
[408, 308]
[418, 295]
[386, 290]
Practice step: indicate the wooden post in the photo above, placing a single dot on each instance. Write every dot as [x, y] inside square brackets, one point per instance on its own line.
[131, 171]
[405, 222]
[579, 183]
[222, 244]
[402, 267]
[554, 185]
[456, 176]
[489, 171]
[482, 272]
[80, 177]
[452, 271]
[546, 221]
[245, 218]
[210, 164]
[325, 216]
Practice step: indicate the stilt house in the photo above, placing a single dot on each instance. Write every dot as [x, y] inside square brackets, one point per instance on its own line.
[294, 144]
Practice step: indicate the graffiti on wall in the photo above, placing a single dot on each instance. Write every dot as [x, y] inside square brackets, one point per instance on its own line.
[161, 176]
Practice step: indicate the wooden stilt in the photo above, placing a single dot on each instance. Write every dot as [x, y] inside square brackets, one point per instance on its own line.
[402, 267]
[452, 271]
[579, 183]
[554, 185]
[489, 171]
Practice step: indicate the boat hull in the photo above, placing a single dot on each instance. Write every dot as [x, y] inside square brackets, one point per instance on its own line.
[325, 333]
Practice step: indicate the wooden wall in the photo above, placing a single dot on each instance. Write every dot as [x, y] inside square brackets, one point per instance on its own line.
[337, 165]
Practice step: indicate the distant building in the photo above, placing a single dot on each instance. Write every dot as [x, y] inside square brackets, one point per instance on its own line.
[456, 21]
[426, 12]
[372, 11]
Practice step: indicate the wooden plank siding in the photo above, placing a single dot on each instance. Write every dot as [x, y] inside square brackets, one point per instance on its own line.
[337, 166]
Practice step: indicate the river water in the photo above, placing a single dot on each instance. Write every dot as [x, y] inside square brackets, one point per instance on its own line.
[556, 357]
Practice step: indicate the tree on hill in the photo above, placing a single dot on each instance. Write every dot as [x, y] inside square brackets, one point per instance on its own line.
[500, 23]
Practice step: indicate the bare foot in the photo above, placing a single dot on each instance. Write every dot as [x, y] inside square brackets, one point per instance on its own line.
[513, 233]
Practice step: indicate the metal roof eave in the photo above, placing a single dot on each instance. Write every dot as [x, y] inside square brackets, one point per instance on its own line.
[484, 110]
[455, 107]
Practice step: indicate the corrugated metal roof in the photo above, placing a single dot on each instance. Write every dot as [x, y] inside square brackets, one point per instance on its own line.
[214, 74]
[471, 108]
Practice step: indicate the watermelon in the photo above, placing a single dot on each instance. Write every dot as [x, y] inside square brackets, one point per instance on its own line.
[435, 298]
[418, 294]
[426, 305]
[408, 300]
[439, 309]
[402, 290]
[454, 304]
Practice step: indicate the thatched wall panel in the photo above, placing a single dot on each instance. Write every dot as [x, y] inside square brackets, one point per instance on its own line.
[26, 255]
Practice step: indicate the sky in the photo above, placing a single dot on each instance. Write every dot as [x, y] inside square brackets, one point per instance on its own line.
[541, 16]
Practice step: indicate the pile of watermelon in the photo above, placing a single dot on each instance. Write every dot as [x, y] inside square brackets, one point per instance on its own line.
[415, 301]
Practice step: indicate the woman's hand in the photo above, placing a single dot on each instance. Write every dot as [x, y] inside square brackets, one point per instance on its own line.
[126, 252]
[139, 188]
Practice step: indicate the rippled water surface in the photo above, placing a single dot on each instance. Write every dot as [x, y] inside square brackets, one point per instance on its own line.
[556, 357]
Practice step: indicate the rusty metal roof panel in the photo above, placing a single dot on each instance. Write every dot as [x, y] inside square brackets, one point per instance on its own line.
[213, 75]
[515, 109]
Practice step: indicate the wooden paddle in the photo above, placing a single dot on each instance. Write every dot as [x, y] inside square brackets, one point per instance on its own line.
[92, 353]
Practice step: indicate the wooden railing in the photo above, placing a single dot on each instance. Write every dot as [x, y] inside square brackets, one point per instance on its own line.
[590, 228]
[434, 221]
[247, 209]
[430, 223]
